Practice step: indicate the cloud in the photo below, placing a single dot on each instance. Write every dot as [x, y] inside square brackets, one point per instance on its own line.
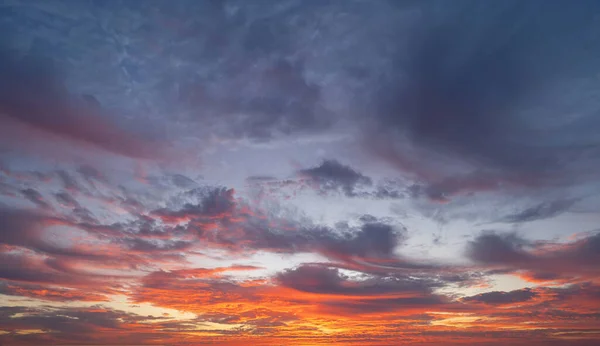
[475, 105]
[182, 181]
[150, 245]
[91, 174]
[541, 211]
[325, 280]
[36, 198]
[45, 292]
[82, 325]
[35, 104]
[470, 94]
[66, 200]
[276, 99]
[490, 247]
[332, 176]
[497, 297]
[214, 202]
[401, 304]
[370, 242]
[208, 291]
[539, 261]
[29, 269]
[220, 219]
[27, 229]
[69, 182]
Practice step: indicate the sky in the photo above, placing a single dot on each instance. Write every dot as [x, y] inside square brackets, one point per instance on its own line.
[299, 172]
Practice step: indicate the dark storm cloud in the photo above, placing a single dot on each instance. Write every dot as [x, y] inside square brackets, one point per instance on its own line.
[497, 297]
[494, 96]
[331, 175]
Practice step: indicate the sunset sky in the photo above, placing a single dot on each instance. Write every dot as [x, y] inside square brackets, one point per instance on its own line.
[300, 172]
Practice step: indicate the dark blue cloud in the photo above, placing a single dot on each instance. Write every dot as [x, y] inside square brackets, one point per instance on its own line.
[497, 89]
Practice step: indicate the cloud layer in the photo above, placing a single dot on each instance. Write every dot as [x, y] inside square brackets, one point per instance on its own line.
[293, 172]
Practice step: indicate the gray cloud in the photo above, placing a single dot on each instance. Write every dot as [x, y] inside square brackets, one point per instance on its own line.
[331, 175]
[497, 297]
[541, 211]
[213, 202]
[219, 218]
[22, 268]
[541, 261]
[326, 280]
[182, 181]
[493, 98]
[150, 245]
[369, 242]
[69, 182]
[35, 197]
[67, 325]
[66, 200]
[91, 174]
[490, 247]
[26, 228]
[33, 92]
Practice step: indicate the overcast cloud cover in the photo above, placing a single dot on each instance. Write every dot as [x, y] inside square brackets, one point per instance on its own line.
[299, 172]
